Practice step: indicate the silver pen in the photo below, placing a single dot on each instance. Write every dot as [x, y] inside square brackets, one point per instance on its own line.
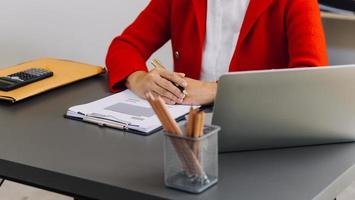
[106, 123]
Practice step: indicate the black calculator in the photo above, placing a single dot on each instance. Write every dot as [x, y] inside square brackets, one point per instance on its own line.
[22, 78]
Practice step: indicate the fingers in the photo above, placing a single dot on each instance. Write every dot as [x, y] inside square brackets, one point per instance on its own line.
[188, 101]
[165, 94]
[167, 85]
[161, 83]
[166, 100]
[177, 78]
[182, 75]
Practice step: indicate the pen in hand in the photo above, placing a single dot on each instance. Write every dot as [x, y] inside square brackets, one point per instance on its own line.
[157, 64]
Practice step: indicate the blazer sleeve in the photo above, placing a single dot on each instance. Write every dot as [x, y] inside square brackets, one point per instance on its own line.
[129, 52]
[306, 39]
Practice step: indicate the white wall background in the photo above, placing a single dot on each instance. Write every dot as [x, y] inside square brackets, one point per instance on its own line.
[340, 40]
[73, 29]
[83, 29]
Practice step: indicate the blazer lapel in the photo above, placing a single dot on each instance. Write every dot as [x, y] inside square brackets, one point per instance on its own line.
[255, 9]
[200, 9]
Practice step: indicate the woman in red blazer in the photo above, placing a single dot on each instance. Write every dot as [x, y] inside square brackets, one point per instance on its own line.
[274, 34]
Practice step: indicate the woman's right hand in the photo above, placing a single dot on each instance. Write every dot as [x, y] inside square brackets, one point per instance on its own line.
[159, 82]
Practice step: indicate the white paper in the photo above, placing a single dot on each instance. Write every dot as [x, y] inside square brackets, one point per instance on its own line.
[128, 108]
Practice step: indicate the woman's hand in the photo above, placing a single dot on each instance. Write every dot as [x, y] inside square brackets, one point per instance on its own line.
[159, 82]
[200, 92]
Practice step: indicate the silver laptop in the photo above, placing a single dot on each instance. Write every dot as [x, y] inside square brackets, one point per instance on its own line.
[285, 108]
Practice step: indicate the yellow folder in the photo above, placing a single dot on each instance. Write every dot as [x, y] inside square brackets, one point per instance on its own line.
[64, 72]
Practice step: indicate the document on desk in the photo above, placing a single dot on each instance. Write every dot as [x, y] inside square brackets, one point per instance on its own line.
[124, 111]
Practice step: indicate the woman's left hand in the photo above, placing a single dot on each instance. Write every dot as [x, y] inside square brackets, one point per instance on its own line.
[199, 92]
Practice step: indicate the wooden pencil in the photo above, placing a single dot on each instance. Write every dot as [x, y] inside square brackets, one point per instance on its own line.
[157, 106]
[156, 63]
[202, 123]
[175, 127]
[197, 124]
[190, 122]
[198, 132]
[167, 127]
[184, 152]
[188, 159]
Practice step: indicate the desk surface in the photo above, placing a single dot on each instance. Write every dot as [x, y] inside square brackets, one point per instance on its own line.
[41, 148]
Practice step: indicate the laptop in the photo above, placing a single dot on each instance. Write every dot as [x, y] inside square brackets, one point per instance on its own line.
[285, 108]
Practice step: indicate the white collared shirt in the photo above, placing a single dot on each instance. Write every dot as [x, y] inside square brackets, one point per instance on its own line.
[224, 21]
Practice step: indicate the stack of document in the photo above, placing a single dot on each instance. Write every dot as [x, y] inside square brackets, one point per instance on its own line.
[124, 111]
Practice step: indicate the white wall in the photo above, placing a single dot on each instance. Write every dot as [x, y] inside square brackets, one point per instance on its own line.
[340, 40]
[73, 29]
[82, 30]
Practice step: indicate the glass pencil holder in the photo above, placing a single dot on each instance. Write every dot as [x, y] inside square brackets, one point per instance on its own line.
[191, 164]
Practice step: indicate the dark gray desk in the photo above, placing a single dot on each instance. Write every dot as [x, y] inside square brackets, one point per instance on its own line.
[41, 148]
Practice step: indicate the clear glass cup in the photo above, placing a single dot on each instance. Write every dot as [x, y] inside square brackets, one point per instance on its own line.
[191, 164]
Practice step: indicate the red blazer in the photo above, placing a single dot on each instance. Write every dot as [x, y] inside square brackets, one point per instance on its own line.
[274, 34]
